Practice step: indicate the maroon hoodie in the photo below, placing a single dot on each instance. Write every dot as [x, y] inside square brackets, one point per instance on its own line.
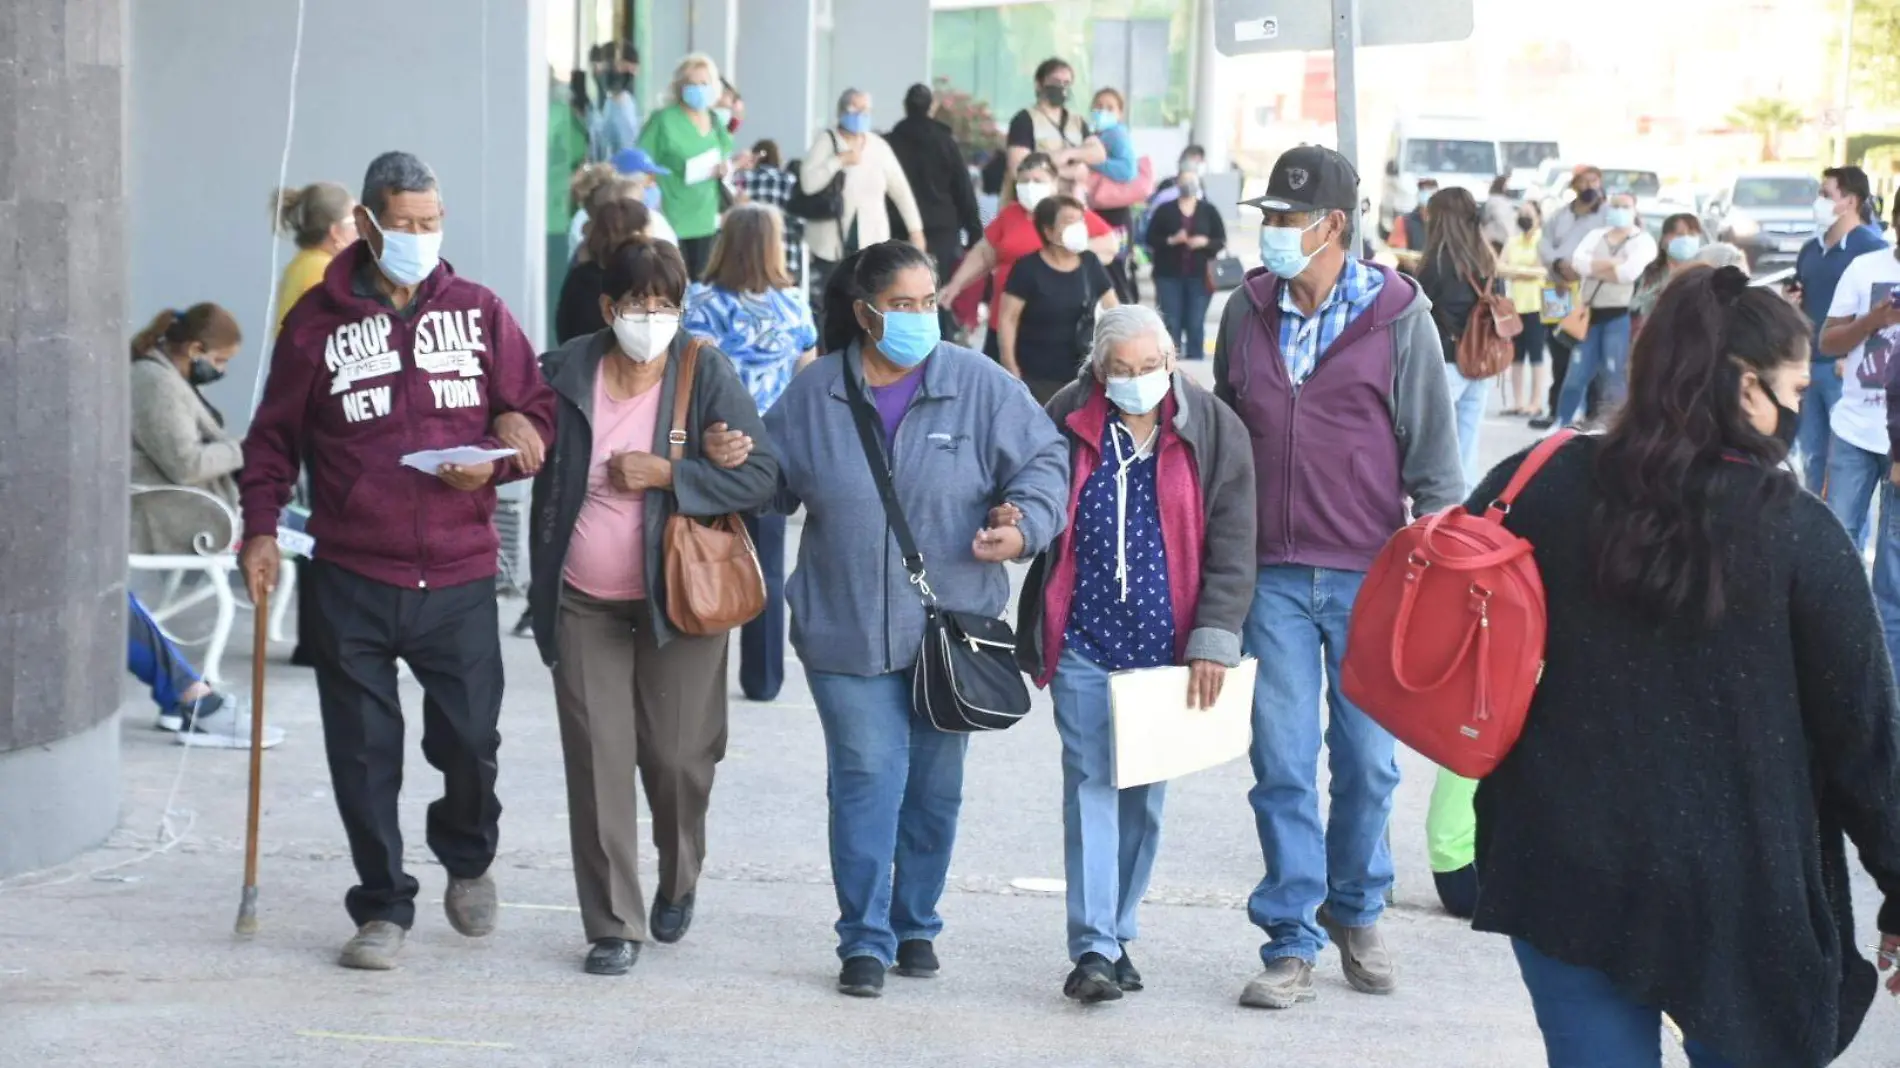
[355, 386]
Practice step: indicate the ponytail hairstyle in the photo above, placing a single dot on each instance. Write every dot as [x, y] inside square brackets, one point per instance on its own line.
[862, 276]
[201, 324]
[611, 225]
[307, 215]
[1658, 470]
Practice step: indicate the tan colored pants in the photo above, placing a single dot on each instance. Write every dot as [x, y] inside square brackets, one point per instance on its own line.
[624, 701]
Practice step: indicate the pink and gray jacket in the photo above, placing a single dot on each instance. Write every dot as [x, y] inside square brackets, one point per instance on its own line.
[1336, 458]
[1205, 481]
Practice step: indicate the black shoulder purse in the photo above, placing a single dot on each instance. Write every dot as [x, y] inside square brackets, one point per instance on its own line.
[965, 678]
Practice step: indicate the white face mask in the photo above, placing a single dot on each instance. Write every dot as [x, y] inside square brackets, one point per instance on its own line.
[644, 337]
[1824, 212]
[1138, 394]
[1075, 237]
[1030, 194]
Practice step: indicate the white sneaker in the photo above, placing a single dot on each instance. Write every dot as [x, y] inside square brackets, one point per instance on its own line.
[173, 719]
[226, 727]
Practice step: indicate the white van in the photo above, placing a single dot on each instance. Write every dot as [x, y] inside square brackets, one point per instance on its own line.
[1462, 152]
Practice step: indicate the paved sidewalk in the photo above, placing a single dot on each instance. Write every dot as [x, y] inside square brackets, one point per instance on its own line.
[137, 966]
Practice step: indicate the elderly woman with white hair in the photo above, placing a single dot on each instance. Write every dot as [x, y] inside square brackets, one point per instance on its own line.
[1155, 568]
[871, 173]
[695, 151]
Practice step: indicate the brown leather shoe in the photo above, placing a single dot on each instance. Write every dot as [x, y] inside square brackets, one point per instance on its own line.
[1285, 983]
[471, 905]
[1362, 950]
[374, 947]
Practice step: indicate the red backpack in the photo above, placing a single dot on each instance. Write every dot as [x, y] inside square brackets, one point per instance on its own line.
[1447, 638]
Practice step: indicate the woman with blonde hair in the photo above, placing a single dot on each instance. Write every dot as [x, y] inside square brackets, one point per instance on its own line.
[321, 219]
[695, 151]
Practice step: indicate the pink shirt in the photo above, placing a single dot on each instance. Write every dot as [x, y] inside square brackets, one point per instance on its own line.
[607, 557]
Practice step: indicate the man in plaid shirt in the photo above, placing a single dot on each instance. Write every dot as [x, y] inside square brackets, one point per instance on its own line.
[768, 182]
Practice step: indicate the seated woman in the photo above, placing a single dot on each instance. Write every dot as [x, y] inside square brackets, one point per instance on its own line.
[178, 438]
[187, 704]
[1156, 567]
[630, 690]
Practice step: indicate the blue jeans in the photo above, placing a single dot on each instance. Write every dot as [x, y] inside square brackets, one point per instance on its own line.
[153, 659]
[1604, 352]
[1183, 303]
[1299, 616]
[1468, 397]
[1811, 438]
[895, 786]
[762, 641]
[1589, 1023]
[1109, 836]
[1854, 475]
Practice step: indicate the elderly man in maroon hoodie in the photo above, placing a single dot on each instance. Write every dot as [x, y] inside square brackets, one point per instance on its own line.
[1335, 366]
[392, 354]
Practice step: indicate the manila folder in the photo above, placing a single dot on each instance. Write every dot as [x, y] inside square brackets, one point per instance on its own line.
[1158, 737]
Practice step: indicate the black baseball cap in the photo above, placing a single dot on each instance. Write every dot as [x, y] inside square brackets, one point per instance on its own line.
[1310, 178]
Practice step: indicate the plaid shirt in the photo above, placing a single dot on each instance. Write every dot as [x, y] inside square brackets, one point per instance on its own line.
[1303, 339]
[774, 186]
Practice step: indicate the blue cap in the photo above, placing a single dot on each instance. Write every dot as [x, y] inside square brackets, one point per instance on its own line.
[636, 161]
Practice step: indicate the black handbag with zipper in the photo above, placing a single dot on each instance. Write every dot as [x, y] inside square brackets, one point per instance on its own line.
[825, 205]
[965, 679]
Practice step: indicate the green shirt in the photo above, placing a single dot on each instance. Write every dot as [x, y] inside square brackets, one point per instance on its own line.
[671, 139]
[567, 151]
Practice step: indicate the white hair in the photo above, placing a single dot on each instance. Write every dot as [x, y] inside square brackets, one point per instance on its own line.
[1126, 323]
[694, 61]
[1722, 254]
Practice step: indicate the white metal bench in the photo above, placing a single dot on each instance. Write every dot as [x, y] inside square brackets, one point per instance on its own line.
[213, 558]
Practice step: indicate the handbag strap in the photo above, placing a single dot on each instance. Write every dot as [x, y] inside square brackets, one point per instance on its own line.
[1526, 471]
[870, 435]
[682, 401]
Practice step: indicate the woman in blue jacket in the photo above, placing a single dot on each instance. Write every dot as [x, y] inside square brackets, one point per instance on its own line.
[960, 436]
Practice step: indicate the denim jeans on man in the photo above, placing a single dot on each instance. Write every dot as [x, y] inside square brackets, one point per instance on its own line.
[762, 641]
[1603, 353]
[1468, 398]
[1297, 626]
[1588, 1023]
[1812, 433]
[1183, 303]
[1109, 836]
[1854, 475]
[895, 786]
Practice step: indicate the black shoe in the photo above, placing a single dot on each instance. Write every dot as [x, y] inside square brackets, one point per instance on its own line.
[1093, 980]
[1127, 976]
[917, 959]
[611, 956]
[524, 627]
[862, 977]
[670, 921]
[1543, 422]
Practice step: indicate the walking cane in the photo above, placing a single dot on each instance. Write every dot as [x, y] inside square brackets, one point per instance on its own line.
[247, 905]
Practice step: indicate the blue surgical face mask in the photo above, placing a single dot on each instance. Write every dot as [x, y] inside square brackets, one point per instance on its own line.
[1138, 394]
[1281, 251]
[1105, 120]
[650, 196]
[855, 122]
[698, 97]
[909, 337]
[407, 258]
[1683, 247]
[1620, 218]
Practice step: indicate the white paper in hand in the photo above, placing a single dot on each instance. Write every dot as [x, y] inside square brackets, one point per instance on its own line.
[429, 461]
[1158, 737]
[700, 168]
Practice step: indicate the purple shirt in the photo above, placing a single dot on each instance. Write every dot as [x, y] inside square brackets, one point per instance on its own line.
[894, 400]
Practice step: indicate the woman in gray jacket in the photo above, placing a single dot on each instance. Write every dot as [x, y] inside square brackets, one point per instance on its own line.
[960, 436]
[1155, 568]
[178, 438]
[629, 689]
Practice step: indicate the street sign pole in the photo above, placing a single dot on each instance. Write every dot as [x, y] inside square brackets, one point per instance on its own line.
[1346, 100]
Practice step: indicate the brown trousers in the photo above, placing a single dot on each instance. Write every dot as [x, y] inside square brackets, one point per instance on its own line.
[623, 701]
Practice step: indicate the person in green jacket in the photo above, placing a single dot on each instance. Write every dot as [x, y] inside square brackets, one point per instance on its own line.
[1451, 837]
[685, 138]
[567, 152]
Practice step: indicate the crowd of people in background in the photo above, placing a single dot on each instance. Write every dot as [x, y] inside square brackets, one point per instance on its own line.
[741, 337]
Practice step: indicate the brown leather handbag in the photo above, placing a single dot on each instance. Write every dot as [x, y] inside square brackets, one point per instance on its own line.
[713, 579]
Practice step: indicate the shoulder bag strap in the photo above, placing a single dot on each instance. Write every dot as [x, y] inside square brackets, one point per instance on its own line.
[682, 402]
[870, 436]
[1526, 471]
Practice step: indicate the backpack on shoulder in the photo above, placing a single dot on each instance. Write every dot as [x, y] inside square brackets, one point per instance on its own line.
[1446, 645]
[1488, 346]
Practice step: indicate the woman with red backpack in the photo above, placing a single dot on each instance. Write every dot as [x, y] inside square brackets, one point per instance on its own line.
[1716, 717]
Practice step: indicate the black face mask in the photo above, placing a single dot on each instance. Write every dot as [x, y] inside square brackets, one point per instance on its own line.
[1054, 95]
[1526, 224]
[203, 372]
[1787, 423]
[1589, 197]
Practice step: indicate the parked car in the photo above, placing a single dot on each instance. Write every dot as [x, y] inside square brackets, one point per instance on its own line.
[1769, 215]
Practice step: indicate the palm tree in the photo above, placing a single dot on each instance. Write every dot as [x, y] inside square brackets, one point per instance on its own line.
[1768, 118]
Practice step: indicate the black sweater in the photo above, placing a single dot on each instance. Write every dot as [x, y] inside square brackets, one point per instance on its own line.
[939, 178]
[1179, 261]
[1453, 300]
[1658, 820]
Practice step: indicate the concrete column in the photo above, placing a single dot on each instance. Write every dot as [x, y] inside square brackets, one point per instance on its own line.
[881, 47]
[775, 70]
[64, 439]
[712, 29]
[1213, 124]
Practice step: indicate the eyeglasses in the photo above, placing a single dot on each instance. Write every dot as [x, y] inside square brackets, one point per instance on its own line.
[630, 309]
